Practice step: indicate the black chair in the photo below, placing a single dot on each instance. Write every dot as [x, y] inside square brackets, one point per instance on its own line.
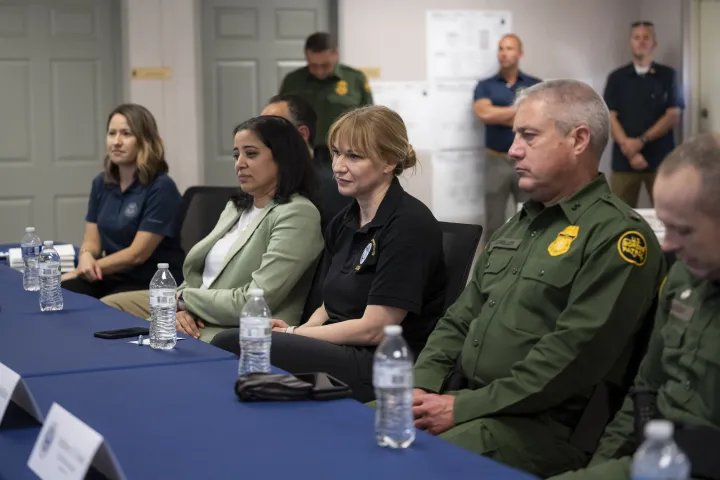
[200, 211]
[460, 243]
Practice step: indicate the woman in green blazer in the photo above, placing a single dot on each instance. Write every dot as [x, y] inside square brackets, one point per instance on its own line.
[267, 237]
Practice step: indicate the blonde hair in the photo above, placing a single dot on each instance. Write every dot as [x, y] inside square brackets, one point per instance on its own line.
[375, 129]
[150, 158]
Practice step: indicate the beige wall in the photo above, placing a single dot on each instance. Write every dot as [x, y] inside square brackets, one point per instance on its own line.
[583, 39]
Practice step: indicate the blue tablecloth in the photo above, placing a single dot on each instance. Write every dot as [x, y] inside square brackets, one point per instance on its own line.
[184, 421]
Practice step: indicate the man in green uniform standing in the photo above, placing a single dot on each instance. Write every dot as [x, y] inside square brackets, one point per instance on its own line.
[554, 301]
[329, 86]
[682, 363]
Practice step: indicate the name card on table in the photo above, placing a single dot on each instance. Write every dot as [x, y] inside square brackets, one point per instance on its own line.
[13, 388]
[66, 448]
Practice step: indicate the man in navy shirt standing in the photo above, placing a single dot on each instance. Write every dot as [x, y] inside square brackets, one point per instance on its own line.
[494, 98]
[645, 105]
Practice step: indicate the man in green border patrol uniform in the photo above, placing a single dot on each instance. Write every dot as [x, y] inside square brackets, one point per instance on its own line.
[682, 364]
[329, 86]
[554, 301]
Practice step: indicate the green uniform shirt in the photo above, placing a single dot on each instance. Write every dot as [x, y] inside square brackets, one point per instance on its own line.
[550, 311]
[682, 363]
[344, 90]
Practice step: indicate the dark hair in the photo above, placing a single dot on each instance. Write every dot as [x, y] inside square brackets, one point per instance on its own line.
[320, 42]
[301, 113]
[290, 154]
[151, 151]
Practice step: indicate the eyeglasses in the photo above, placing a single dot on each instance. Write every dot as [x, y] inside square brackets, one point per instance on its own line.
[642, 23]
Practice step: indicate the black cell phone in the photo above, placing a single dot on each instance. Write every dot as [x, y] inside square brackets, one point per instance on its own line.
[123, 333]
[325, 386]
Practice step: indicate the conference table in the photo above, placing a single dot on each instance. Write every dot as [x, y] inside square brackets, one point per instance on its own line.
[174, 414]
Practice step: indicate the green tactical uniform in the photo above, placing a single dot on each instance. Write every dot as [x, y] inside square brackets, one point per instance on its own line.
[344, 90]
[682, 364]
[550, 312]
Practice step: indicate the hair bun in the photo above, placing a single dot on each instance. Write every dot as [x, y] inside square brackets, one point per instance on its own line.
[410, 158]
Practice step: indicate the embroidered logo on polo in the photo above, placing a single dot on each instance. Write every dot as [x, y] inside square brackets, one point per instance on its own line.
[341, 88]
[131, 210]
[633, 248]
[370, 250]
[563, 241]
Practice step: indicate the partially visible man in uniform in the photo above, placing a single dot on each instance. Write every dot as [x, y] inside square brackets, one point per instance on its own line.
[645, 104]
[493, 105]
[329, 86]
[555, 299]
[682, 364]
[302, 115]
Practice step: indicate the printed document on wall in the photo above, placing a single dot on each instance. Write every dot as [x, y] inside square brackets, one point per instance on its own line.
[410, 100]
[462, 44]
[457, 186]
[453, 118]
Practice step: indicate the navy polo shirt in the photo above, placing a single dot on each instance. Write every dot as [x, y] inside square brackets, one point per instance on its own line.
[640, 101]
[497, 90]
[150, 208]
[396, 260]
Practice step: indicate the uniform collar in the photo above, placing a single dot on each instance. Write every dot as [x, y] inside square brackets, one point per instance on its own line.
[387, 207]
[630, 68]
[337, 73]
[574, 206]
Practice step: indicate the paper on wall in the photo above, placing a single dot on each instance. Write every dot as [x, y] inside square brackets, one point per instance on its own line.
[455, 124]
[458, 185]
[462, 44]
[410, 100]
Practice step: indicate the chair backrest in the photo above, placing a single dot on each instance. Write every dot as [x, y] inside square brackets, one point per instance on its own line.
[200, 211]
[460, 243]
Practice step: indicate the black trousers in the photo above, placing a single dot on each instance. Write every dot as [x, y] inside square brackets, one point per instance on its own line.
[102, 288]
[297, 354]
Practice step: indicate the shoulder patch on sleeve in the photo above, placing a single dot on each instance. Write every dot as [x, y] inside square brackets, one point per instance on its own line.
[632, 247]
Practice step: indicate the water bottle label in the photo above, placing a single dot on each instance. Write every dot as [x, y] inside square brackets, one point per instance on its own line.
[164, 297]
[393, 377]
[255, 328]
[49, 270]
[32, 251]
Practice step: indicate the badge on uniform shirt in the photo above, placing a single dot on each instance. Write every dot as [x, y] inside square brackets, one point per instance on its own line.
[369, 250]
[341, 88]
[131, 210]
[633, 248]
[367, 86]
[562, 243]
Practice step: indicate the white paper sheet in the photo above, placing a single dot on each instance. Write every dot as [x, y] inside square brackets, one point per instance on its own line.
[458, 185]
[453, 118]
[410, 100]
[462, 44]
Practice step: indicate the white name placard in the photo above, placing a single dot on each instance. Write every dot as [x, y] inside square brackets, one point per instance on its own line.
[66, 448]
[13, 388]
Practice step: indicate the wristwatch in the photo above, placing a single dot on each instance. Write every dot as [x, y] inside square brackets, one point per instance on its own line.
[180, 303]
[644, 139]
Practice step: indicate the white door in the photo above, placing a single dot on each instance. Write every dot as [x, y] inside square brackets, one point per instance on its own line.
[709, 63]
[58, 72]
[248, 47]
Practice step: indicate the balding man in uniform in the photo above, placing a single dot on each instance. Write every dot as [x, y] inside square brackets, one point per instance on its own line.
[682, 365]
[493, 105]
[555, 299]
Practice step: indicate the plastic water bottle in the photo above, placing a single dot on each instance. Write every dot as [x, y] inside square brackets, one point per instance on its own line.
[163, 306]
[393, 382]
[30, 247]
[659, 457]
[255, 335]
[51, 298]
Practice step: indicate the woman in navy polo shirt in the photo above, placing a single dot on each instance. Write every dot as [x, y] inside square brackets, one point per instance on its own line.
[132, 223]
[383, 262]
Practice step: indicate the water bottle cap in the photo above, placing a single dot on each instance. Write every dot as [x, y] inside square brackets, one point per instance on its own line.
[30, 230]
[48, 243]
[659, 429]
[163, 265]
[393, 330]
[256, 292]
